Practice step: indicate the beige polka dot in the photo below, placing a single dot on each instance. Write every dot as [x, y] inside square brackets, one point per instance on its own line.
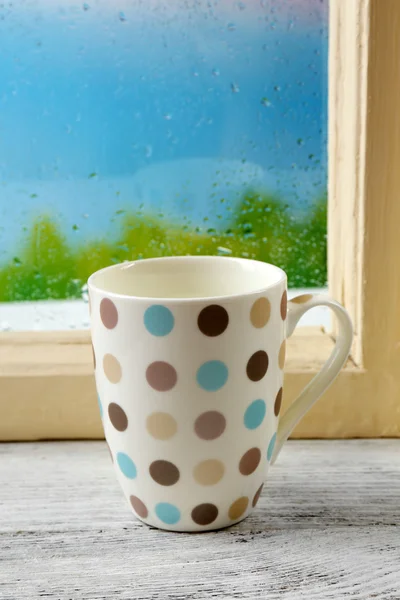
[250, 461]
[210, 425]
[161, 376]
[284, 305]
[209, 472]
[108, 313]
[257, 495]
[282, 355]
[112, 368]
[260, 312]
[161, 426]
[238, 508]
[301, 299]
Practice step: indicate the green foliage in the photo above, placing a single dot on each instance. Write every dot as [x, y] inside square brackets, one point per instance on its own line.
[262, 227]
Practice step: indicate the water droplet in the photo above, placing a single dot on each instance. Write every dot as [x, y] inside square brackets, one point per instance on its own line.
[68, 128]
[300, 142]
[215, 72]
[17, 261]
[86, 6]
[75, 227]
[85, 216]
[78, 117]
[92, 175]
[223, 251]
[195, 74]
[33, 195]
[241, 5]
[84, 293]
[277, 88]
[148, 151]
[231, 27]
[167, 117]
[265, 101]
[235, 88]
[122, 17]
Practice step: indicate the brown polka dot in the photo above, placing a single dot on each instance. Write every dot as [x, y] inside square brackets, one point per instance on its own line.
[139, 507]
[210, 425]
[260, 312]
[209, 472]
[161, 426]
[108, 313]
[284, 305]
[250, 461]
[278, 402]
[257, 495]
[257, 365]
[213, 320]
[164, 472]
[204, 514]
[282, 355]
[117, 416]
[301, 299]
[112, 368]
[161, 376]
[94, 357]
[238, 508]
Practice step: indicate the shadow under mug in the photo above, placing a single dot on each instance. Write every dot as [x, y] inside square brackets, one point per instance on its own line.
[189, 355]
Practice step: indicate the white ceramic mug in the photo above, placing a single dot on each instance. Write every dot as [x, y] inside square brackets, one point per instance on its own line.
[189, 355]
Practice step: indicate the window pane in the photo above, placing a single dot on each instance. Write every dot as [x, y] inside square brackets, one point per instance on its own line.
[149, 128]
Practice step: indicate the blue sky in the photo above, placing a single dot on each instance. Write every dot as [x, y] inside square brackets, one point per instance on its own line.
[95, 101]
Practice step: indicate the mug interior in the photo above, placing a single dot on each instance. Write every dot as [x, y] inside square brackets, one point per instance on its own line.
[192, 277]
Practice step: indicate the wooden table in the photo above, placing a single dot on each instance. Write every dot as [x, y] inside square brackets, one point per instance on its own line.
[328, 526]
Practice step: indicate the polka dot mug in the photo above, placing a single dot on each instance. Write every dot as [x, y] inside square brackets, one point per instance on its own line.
[189, 355]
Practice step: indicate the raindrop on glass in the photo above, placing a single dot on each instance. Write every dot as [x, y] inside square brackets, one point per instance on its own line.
[85, 6]
[231, 27]
[235, 88]
[122, 17]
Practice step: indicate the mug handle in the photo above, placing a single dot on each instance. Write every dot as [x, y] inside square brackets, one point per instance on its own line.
[312, 392]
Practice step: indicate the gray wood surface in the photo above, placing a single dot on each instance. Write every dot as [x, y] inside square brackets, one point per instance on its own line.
[328, 526]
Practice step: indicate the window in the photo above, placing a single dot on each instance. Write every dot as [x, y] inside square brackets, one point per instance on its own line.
[46, 378]
[158, 128]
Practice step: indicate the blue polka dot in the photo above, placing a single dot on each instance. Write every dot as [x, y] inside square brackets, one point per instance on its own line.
[271, 447]
[255, 413]
[212, 375]
[168, 513]
[100, 406]
[158, 320]
[126, 465]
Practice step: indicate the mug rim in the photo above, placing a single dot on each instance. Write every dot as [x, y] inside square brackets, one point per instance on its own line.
[281, 278]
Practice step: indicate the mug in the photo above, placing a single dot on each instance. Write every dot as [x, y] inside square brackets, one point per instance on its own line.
[189, 355]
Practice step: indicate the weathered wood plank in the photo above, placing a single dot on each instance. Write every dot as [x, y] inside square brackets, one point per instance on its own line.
[326, 527]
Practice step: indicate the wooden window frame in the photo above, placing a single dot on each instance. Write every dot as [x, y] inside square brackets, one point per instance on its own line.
[47, 386]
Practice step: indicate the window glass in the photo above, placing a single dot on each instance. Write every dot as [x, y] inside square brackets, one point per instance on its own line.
[145, 128]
